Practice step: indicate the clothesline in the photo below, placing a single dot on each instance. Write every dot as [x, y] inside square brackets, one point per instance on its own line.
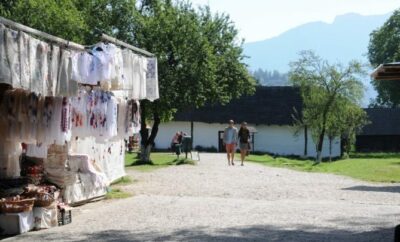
[67, 43]
[115, 41]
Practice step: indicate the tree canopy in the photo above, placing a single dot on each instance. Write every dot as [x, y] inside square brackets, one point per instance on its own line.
[384, 47]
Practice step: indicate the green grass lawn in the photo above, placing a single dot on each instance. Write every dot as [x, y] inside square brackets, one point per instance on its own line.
[377, 167]
[125, 180]
[159, 160]
[117, 193]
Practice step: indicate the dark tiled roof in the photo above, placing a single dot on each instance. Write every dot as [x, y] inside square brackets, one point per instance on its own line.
[269, 106]
[384, 121]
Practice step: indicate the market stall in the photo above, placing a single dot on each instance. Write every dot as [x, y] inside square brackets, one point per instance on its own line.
[65, 113]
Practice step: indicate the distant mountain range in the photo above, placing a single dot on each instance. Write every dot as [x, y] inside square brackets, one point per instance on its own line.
[343, 40]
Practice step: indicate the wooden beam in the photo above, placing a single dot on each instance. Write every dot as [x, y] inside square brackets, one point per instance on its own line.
[29, 30]
[121, 43]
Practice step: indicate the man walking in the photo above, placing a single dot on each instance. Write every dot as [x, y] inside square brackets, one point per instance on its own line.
[230, 140]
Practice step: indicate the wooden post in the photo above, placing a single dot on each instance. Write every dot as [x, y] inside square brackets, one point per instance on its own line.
[191, 134]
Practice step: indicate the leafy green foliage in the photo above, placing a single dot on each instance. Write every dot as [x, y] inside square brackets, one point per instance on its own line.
[113, 17]
[270, 78]
[384, 47]
[199, 58]
[346, 121]
[59, 18]
[326, 89]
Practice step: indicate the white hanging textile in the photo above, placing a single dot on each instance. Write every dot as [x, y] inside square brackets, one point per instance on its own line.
[152, 92]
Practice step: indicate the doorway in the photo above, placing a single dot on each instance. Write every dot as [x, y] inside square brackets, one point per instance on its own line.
[221, 146]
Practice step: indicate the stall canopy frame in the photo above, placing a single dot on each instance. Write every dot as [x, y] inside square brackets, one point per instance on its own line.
[115, 41]
[67, 43]
[387, 72]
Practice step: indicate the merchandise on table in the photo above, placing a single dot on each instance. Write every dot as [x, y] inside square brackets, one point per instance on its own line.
[65, 135]
[16, 204]
[44, 195]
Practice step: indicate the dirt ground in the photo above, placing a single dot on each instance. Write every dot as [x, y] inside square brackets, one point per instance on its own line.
[214, 202]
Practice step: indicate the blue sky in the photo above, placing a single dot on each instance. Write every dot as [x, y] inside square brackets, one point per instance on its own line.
[262, 19]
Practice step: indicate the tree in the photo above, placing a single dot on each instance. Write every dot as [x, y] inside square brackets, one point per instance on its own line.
[200, 60]
[333, 126]
[270, 78]
[322, 84]
[384, 47]
[114, 17]
[60, 18]
[351, 119]
[345, 121]
[80, 21]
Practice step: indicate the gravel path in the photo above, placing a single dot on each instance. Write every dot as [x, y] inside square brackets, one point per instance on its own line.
[214, 202]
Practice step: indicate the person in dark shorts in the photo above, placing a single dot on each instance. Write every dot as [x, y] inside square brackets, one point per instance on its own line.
[176, 143]
[244, 139]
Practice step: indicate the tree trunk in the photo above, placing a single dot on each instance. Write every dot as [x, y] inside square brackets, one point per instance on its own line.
[145, 154]
[305, 141]
[330, 148]
[147, 142]
[320, 145]
[322, 134]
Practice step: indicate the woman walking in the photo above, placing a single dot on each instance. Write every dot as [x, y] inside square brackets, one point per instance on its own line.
[244, 138]
[230, 141]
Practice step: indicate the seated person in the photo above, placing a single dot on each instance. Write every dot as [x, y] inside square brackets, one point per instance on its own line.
[176, 143]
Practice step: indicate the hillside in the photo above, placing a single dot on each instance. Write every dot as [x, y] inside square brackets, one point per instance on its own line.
[343, 40]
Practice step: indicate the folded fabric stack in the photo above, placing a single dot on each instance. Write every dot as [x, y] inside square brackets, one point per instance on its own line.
[90, 183]
[56, 169]
[9, 160]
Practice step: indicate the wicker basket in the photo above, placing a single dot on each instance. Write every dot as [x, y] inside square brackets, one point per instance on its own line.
[44, 200]
[19, 206]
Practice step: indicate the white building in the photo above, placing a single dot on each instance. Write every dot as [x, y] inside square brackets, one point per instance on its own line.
[269, 111]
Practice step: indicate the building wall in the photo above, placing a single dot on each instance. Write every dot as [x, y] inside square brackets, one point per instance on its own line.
[273, 139]
[378, 143]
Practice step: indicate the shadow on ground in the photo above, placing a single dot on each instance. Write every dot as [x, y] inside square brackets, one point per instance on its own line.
[392, 189]
[253, 233]
[175, 162]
